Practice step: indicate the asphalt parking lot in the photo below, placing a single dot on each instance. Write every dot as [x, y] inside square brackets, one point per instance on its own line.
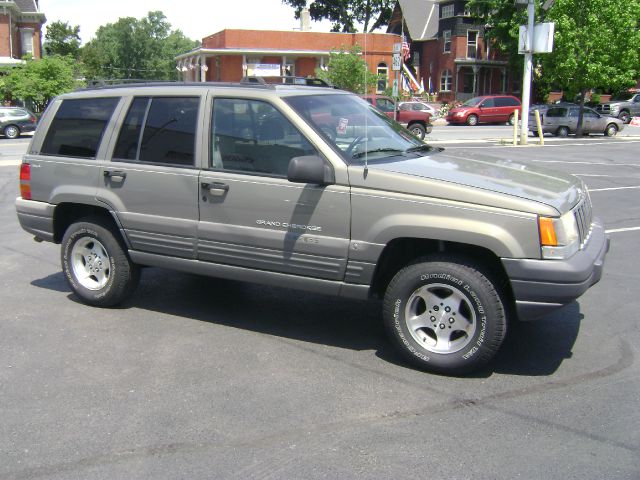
[202, 378]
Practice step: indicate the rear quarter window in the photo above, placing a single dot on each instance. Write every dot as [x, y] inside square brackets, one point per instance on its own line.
[78, 127]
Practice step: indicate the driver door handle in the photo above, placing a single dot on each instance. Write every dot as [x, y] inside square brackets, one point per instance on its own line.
[115, 174]
[215, 188]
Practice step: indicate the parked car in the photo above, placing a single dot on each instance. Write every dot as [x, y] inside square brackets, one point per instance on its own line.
[543, 107]
[417, 122]
[419, 106]
[16, 120]
[306, 188]
[485, 109]
[561, 121]
[624, 107]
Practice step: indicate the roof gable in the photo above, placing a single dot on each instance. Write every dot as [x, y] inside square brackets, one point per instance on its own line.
[27, 6]
[421, 18]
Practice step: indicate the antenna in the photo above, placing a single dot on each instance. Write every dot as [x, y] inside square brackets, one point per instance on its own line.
[366, 116]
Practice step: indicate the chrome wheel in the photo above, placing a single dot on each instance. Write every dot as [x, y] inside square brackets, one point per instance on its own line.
[440, 318]
[11, 131]
[90, 263]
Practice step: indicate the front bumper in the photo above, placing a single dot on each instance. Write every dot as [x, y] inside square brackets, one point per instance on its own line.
[541, 286]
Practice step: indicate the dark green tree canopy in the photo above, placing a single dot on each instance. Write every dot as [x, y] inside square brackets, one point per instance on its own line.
[62, 39]
[135, 49]
[345, 14]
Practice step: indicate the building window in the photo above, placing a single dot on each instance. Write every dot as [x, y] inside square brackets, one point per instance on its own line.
[472, 44]
[26, 38]
[447, 11]
[445, 81]
[383, 73]
[446, 35]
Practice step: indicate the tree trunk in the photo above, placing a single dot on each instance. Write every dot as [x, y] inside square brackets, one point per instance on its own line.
[583, 95]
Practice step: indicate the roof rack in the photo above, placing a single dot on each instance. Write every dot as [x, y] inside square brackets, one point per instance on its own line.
[285, 80]
[161, 83]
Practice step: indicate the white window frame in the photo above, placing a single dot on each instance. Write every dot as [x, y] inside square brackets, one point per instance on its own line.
[447, 11]
[383, 69]
[27, 47]
[474, 44]
[445, 80]
[446, 44]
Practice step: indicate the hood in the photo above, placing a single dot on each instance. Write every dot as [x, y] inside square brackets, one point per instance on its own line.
[555, 189]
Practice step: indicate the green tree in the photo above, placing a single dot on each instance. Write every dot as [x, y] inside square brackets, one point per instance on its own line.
[347, 70]
[595, 43]
[131, 48]
[62, 39]
[345, 14]
[38, 81]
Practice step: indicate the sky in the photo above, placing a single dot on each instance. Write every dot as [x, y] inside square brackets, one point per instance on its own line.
[196, 18]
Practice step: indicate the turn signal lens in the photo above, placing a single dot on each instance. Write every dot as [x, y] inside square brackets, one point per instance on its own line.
[547, 232]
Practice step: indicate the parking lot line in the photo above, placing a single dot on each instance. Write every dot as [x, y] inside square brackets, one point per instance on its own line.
[613, 188]
[618, 230]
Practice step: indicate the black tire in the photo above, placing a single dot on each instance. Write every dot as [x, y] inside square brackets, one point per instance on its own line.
[418, 130]
[624, 116]
[11, 131]
[512, 119]
[470, 320]
[472, 120]
[96, 264]
[611, 130]
[562, 132]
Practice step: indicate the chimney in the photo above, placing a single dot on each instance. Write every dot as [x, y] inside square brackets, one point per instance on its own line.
[305, 20]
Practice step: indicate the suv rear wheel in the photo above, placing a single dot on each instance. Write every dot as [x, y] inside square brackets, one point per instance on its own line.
[444, 315]
[11, 131]
[562, 132]
[96, 264]
[624, 116]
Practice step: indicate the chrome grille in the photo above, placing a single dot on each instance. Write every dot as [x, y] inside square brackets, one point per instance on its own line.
[584, 216]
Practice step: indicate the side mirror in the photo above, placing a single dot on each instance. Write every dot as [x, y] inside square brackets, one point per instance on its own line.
[310, 169]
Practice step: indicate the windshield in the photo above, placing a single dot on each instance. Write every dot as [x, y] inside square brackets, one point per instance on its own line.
[472, 102]
[357, 130]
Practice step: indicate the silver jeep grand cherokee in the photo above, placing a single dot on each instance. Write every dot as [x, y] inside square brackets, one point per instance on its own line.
[306, 188]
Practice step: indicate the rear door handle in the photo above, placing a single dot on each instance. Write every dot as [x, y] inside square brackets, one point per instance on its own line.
[116, 174]
[215, 188]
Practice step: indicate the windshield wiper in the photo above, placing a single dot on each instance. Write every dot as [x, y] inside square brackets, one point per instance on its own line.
[419, 148]
[376, 150]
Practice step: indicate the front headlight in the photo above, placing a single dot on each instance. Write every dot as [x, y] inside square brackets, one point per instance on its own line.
[460, 114]
[559, 237]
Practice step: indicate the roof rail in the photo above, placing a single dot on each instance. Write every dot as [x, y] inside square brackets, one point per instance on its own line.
[161, 83]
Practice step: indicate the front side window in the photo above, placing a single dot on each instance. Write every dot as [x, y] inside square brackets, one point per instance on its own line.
[488, 103]
[446, 36]
[253, 136]
[357, 131]
[159, 130]
[445, 81]
[78, 126]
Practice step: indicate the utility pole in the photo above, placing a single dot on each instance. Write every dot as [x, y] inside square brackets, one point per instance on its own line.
[528, 70]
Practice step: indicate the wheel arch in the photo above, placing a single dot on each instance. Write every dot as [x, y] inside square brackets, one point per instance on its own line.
[401, 252]
[68, 213]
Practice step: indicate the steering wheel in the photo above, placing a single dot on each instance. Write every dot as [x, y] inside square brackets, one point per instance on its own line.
[354, 143]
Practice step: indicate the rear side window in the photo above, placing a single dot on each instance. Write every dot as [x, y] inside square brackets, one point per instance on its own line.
[77, 128]
[556, 112]
[506, 102]
[160, 130]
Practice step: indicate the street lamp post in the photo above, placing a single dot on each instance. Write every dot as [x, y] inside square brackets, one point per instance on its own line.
[528, 70]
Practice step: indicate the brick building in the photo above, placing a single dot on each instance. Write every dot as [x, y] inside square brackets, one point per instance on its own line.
[449, 53]
[20, 30]
[231, 54]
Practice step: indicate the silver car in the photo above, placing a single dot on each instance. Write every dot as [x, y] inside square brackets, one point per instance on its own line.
[563, 120]
[16, 120]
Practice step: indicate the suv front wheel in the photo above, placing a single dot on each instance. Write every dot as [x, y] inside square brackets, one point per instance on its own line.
[418, 130]
[444, 315]
[96, 265]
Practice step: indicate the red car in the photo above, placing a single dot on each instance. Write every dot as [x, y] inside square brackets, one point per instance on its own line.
[416, 121]
[486, 109]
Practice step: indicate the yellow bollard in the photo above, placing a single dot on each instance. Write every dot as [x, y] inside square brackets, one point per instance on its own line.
[539, 124]
[515, 128]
